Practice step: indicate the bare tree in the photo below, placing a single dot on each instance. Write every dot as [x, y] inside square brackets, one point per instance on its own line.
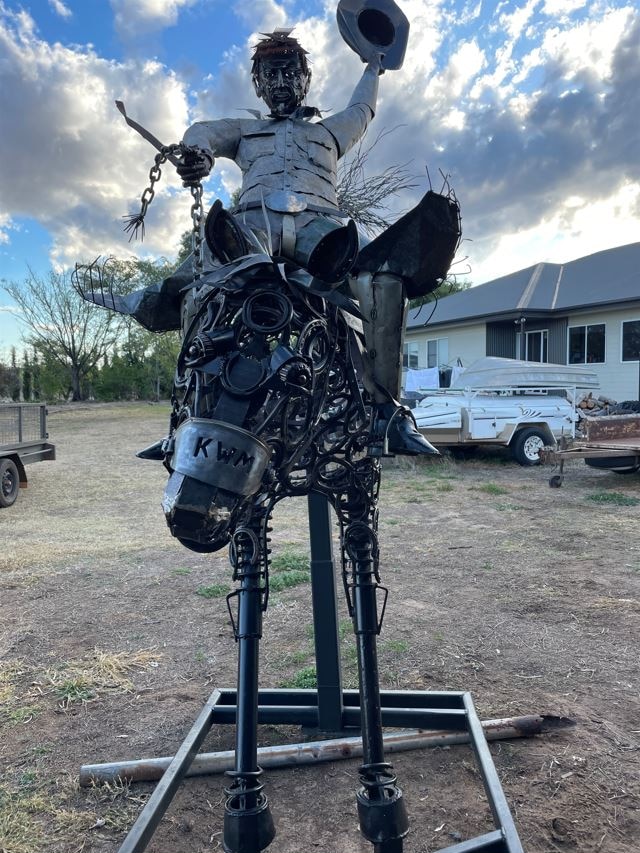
[61, 324]
[365, 198]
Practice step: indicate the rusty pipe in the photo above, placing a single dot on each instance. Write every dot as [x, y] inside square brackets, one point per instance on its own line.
[315, 752]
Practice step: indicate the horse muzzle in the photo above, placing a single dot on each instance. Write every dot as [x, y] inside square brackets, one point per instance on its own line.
[215, 469]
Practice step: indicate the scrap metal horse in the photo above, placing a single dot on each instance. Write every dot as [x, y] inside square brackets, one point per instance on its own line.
[266, 405]
[275, 394]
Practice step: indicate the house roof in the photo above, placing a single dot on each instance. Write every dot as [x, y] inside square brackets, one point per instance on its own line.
[599, 279]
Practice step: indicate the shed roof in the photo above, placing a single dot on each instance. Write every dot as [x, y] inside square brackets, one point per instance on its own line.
[600, 279]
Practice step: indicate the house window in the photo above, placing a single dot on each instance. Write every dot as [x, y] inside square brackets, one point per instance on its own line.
[437, 352]
[631, 340]
[410, 355]
[586, 344]
[535, 345]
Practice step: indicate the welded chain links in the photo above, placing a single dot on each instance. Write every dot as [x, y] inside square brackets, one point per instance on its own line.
[197, 215]
[135, 222]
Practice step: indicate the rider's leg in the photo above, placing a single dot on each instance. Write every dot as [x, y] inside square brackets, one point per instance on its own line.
[384, 308]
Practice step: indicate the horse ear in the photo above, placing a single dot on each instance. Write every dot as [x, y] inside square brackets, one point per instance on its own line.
[374, 28]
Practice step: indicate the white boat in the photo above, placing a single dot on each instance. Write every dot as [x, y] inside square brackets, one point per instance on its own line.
[492, 372]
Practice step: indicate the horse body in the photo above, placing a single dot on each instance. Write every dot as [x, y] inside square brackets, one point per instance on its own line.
[267, 404]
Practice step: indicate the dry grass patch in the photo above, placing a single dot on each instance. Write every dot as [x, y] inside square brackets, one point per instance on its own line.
[33, 820]
[99, 672]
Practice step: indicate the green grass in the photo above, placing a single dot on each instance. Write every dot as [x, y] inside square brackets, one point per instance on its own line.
[299, 656]
[23, 714]
[285, 580]
[444, 487]
[290, 561]
[304, 678]
[397, 646]
[614, 498]
[214, 590]
[74, 690]
[182, 571]
[491, 489]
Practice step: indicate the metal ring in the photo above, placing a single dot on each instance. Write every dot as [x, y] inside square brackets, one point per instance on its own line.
[313, 335]
[267, 312]
[227, 382]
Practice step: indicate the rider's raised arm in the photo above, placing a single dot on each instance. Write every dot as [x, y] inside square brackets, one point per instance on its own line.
[348, 126]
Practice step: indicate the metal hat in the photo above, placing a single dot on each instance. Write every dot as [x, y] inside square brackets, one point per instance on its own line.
[374, 28]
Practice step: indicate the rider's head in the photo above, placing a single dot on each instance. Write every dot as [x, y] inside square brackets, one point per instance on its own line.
[280, 72]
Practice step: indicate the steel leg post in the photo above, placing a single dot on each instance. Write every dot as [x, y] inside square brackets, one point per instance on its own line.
[248, 825]
[381, 808]
[325, 616]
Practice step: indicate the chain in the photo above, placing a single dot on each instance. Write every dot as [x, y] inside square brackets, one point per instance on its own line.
[197, 215]
[135, 222]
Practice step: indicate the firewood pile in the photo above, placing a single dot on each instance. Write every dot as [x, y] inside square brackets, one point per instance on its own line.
[592, 406]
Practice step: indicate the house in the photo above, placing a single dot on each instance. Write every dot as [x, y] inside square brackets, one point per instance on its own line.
[586, 311]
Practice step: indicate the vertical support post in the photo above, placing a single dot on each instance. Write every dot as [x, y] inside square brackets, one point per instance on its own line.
[381, 809]
[248, 825]
[325, 615]
[20, 422]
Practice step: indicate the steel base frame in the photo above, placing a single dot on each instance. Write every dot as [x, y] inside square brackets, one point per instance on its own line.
[445, 711]
[331, 709]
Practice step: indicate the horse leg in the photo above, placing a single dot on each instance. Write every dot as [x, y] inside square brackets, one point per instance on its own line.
[381, 808]
[248, 824]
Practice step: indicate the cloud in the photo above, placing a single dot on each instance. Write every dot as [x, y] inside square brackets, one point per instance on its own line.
[531, 107]
[68, 160]
[60, 9]
[523, 115]
[133, 19]
[5, 226]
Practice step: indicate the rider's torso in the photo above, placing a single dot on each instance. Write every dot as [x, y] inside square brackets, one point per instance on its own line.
[289, 154]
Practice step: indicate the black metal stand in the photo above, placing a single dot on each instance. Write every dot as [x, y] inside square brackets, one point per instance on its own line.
[332, 709]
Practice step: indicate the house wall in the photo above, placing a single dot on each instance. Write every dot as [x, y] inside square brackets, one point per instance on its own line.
[618, 379]
[501, 338]
[466, 343]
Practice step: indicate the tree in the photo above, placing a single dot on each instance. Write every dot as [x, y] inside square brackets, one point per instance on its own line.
[63, 327]
[446, 288]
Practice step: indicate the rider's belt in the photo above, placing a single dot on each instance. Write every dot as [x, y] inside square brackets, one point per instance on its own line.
[285, 201]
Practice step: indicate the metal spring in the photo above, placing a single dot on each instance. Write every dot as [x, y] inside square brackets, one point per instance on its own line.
[370, 776]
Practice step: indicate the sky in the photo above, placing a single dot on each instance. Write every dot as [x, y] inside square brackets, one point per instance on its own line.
[532, 107]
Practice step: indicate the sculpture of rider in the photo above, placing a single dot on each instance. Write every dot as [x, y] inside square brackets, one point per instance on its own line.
[289, 163]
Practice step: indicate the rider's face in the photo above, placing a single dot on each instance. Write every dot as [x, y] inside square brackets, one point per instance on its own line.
[282, 84]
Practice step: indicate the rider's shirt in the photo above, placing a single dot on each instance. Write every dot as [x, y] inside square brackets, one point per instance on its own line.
[292, 155]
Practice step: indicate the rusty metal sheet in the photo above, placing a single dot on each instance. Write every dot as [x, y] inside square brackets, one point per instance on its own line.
[612, 427]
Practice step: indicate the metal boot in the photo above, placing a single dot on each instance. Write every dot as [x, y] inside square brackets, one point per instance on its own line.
[383, 305]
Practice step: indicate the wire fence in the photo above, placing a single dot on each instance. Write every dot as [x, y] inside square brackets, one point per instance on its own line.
[21, 423]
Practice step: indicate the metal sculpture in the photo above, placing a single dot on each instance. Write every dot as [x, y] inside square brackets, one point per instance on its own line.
[283, 385]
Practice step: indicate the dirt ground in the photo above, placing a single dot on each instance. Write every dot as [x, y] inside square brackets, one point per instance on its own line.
[112, 636]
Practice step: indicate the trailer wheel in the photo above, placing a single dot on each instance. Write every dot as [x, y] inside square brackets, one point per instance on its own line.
[617, 464]
[9, 482]
[527, 444]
